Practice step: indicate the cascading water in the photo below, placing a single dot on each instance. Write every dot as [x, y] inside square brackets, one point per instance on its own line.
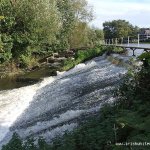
[58, 104]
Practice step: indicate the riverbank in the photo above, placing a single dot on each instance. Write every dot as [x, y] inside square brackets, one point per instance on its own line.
[48, 66]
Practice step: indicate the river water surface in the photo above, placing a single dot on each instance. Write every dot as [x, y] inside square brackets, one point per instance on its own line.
[57, 104]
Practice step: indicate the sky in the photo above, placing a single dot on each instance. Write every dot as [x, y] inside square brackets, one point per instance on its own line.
[137, 12]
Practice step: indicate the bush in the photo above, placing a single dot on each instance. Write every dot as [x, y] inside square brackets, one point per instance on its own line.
[113, 49]
[14, 144]
[81, 56]
[28, 62]
[145, 58]
[5, 48]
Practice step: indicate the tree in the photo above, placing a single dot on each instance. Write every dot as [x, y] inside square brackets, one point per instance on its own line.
[98, 36]
[118, 29]
[29, 23]
[73, 14]
[29, 26]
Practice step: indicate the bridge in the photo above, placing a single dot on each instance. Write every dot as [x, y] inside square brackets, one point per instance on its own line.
[127, 43]
[128, 47]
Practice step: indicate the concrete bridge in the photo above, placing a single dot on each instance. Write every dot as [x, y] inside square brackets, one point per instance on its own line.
[128, 47]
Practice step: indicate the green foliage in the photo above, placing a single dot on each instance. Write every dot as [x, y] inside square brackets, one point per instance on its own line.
[14, 144]
[99, 36]
[81, 56]
[84, 36]
[29, 144]
[42, 144]
[74, 16]
[87, 54]
[5, 48]
[46, 26]
[113, 49]
[27, 61]
[68, 64]
[79, 35]
[145, 57]
[119, 29]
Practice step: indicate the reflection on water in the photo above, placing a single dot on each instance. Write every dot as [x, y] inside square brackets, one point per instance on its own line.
[26, 79]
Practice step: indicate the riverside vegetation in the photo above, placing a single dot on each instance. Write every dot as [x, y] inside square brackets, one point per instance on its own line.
[26, 35]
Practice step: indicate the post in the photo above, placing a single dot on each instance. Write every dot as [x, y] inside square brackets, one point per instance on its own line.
[116, 41]
[128, 40]
[47, 60]
[106, 42]
[121, 40]
[112, 41]
[138, 39]
[133, 49]
[115, 133]
[109, 41]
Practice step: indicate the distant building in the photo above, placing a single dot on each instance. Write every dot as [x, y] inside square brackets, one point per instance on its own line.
[144, 33]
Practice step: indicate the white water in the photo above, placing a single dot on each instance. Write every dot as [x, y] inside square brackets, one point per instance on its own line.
[57, 105]
[14, 102]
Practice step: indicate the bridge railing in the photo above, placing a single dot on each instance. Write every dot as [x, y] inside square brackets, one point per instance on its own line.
[125, 40]
[125, 43]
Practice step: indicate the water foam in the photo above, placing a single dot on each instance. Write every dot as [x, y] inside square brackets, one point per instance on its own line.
[14, 102]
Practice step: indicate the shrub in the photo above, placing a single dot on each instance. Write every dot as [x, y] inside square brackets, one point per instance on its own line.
[81, 56]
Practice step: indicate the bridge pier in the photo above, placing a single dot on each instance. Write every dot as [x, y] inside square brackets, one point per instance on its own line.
[133, 50]
[138, 39]
[128, 40]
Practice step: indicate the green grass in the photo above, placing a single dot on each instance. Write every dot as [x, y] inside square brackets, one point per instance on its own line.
[83, 55]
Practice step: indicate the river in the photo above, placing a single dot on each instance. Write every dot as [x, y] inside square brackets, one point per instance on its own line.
[28, 78]
[58, 104]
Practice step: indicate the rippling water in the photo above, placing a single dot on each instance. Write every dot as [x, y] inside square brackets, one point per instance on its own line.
[58, 104]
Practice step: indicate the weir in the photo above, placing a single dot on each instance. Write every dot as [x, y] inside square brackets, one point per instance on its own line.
[58, 104]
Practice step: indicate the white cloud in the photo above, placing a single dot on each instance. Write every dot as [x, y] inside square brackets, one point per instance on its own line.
[138, 13]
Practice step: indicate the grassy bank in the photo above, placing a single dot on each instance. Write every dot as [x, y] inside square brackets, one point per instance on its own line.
[84, 55]
[81, 56]
[12, 68]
